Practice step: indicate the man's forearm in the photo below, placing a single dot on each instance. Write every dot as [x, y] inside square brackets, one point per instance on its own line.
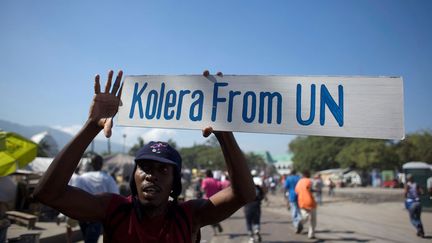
[241, 180]
[56, 178]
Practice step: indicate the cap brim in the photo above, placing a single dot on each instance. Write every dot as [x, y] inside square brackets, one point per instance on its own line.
[155, 158]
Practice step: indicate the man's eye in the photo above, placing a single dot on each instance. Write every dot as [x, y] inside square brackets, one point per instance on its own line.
[145, 168]
[164, 169]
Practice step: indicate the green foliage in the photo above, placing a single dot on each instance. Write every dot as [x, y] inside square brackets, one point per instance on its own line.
[209, 156]
[172, 143]
[366, 154]
[319, 153]
[136, 147]
[416, 147]
[255, 161]
[316, 153]
[202, 157]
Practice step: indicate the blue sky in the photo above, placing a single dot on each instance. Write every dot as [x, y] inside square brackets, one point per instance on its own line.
[51, 50]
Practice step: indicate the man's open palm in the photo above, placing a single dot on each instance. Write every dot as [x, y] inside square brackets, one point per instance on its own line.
[105, 104]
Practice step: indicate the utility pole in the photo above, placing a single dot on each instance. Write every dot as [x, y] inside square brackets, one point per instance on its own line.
[109, 145]
[124, 143]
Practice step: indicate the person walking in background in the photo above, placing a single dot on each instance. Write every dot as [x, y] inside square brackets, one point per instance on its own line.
[332, 186]
[211, 186]
[94, 182]
[290, 185]
[412, 204]
[225, 183]
[317, 187]
[307, 202]
[198, 194]
[429, 187]
[252, 212]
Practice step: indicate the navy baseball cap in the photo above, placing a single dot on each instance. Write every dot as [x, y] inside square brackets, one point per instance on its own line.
[164, 153]
[160, 152]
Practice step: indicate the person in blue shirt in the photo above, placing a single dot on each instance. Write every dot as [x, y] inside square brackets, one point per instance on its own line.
[412, 204]
[290, 184]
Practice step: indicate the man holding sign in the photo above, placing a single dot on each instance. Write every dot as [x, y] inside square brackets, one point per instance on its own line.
[147, 215]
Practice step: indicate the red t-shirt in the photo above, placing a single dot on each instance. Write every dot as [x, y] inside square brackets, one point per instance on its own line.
[224, 184]
[210, 186]
[122, 225]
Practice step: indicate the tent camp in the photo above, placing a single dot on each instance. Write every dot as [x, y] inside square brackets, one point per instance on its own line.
[119, 164]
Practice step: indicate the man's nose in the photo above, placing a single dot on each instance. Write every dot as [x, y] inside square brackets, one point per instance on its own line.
[151, 177]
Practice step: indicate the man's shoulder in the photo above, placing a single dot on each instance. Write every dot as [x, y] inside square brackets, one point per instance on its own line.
[304, 181]
[106, 176]
[117, 201]
[90, 174]
[188, 209]
[121, 199]
[192, 206]
[209, 181]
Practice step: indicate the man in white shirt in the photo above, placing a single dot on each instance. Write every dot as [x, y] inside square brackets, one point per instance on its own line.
[94, 182]
[429, 186]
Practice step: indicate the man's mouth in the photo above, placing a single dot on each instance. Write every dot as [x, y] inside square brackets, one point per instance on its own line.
[152, 189]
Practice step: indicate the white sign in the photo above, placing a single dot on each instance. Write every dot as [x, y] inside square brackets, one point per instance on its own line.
[367, 107]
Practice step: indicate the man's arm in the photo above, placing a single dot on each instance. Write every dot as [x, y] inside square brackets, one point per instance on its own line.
[419, 190]
[405, 190]
[53, 189]
[224, 203]
[203, 186]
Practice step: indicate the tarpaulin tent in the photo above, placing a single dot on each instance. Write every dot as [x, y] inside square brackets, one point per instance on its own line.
[15, 152]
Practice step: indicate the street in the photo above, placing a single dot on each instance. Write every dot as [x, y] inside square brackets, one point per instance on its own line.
[338, 220]
[355, 215]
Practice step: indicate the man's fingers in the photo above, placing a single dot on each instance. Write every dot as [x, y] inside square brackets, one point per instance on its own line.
[206, 73]
[207, 131]
[120, 91]
[108, 127]
[108, 83]
[97, 84]
[117, 82]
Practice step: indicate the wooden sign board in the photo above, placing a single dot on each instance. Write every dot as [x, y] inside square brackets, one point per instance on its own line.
[366, 107]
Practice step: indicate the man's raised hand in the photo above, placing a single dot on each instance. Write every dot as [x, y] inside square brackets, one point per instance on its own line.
[105, 104]
[207, 131]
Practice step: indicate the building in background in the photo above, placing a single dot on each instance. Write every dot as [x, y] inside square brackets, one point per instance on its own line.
[46, 143]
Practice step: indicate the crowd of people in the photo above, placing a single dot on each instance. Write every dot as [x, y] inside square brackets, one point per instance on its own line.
[302, 193]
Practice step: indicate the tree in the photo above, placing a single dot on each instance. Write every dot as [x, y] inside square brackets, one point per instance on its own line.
[136, 147]
[255, 161]
[172, 143]
[202, 157]
[365, 154]
[316, 153]
[416, 147]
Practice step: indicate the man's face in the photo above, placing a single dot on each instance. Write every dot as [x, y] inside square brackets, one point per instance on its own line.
[154, 182]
